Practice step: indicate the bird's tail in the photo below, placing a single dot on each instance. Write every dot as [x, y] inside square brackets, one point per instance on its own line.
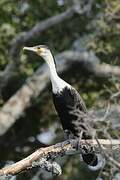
[94, 161]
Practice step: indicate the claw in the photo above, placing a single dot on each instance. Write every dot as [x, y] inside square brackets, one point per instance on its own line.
[65, 143]
[68, 134]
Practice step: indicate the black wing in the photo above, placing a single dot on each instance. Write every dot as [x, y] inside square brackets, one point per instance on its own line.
[78, 101]
[68, 104]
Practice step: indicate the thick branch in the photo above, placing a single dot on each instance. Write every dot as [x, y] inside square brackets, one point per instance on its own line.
[58, 150]
[91, 65]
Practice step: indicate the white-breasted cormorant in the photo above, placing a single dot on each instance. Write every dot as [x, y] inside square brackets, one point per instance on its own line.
[66, 99]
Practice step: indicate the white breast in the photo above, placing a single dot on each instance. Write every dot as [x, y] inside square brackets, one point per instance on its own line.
[58, 85]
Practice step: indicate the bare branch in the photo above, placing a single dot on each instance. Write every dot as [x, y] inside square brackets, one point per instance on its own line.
[107, 70]
[54, 151]
[113, 161]
[99, 70]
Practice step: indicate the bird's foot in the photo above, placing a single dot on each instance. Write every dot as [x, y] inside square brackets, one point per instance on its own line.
[67, 134]
[66, 137]
[65, 143]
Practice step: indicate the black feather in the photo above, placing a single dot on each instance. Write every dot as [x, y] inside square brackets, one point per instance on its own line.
[65, 102]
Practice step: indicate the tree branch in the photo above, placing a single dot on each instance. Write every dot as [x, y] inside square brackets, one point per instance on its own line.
[39, 157]
[91, 65]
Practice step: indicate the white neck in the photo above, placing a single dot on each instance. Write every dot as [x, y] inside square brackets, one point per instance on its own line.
[57, 83]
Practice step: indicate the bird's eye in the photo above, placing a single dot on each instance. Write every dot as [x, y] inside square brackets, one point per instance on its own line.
[40, 49]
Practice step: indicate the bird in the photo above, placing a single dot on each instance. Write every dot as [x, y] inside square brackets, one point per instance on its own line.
[66, 99]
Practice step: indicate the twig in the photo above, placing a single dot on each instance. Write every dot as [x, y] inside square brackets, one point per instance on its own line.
[113, 161]
[54, 151]
[115, 95]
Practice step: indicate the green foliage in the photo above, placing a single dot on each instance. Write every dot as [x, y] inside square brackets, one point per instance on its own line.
[107, 42]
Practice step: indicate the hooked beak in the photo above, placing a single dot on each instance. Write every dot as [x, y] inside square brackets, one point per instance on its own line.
[36, 49]
[30, 49]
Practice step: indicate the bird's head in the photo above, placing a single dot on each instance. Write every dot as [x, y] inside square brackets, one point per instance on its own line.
[40, 50]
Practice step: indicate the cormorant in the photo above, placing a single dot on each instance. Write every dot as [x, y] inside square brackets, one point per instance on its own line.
[66, 99]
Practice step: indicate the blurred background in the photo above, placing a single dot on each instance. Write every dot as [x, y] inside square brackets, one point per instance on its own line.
[90, 28]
